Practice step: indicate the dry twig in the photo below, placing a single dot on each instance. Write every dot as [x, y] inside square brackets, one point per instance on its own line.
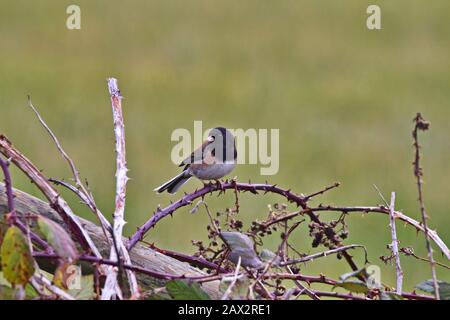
[394, 245]
[55, 199]
[80, 189]
[119, 250]
[423, 125]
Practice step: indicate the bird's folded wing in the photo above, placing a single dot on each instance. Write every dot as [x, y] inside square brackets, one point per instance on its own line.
[198, 155]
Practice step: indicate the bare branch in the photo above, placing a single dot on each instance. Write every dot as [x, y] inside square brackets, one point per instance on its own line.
[365, 209]
[195, 261]
[55, 199]
[233, 281]
[220, 187]
[13, 219]
[422, 124]
[408, 251]
[119, 250]
[345, 296]
[200, 193]
[323, 254]
[398, 215]
[72, 166]
[282, 252]
[8, 184]
[328, 188]
[321, 279]
[143, 256]
[80, 190]
[394, 245]
[40, 282]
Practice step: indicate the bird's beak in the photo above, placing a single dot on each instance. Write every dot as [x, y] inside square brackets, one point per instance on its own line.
[210, 139]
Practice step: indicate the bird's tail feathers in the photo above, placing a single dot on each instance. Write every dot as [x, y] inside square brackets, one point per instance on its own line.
[174, 184]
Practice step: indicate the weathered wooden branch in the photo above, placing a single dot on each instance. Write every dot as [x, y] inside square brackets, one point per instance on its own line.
[140, 255]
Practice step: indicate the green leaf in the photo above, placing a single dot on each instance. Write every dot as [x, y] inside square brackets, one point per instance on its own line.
[17, 261]
[182, 290]
[242, 246]
[356, 286]
[428, 286]
[30, 292]
[58, 239]
[389, 295]
[3, 228]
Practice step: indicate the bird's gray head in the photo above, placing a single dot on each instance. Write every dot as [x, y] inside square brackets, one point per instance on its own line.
[222, 144]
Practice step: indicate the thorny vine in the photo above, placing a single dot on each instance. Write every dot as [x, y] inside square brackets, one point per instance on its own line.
[255, 272]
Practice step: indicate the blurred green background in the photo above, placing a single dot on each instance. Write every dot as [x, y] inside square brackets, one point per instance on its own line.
[342, 96]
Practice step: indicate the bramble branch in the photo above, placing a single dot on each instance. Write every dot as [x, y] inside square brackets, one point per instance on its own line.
[365, 210]
[422, 125]
[232, 254]
[221, 187]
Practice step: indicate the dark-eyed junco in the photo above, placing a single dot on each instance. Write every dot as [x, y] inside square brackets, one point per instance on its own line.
[214, 159]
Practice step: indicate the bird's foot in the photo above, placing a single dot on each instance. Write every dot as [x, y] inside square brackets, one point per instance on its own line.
[219, 184]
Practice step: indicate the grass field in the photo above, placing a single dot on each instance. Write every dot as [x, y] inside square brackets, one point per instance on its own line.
[342, 96]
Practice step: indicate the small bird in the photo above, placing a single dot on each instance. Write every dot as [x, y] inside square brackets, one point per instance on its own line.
[214, 159]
